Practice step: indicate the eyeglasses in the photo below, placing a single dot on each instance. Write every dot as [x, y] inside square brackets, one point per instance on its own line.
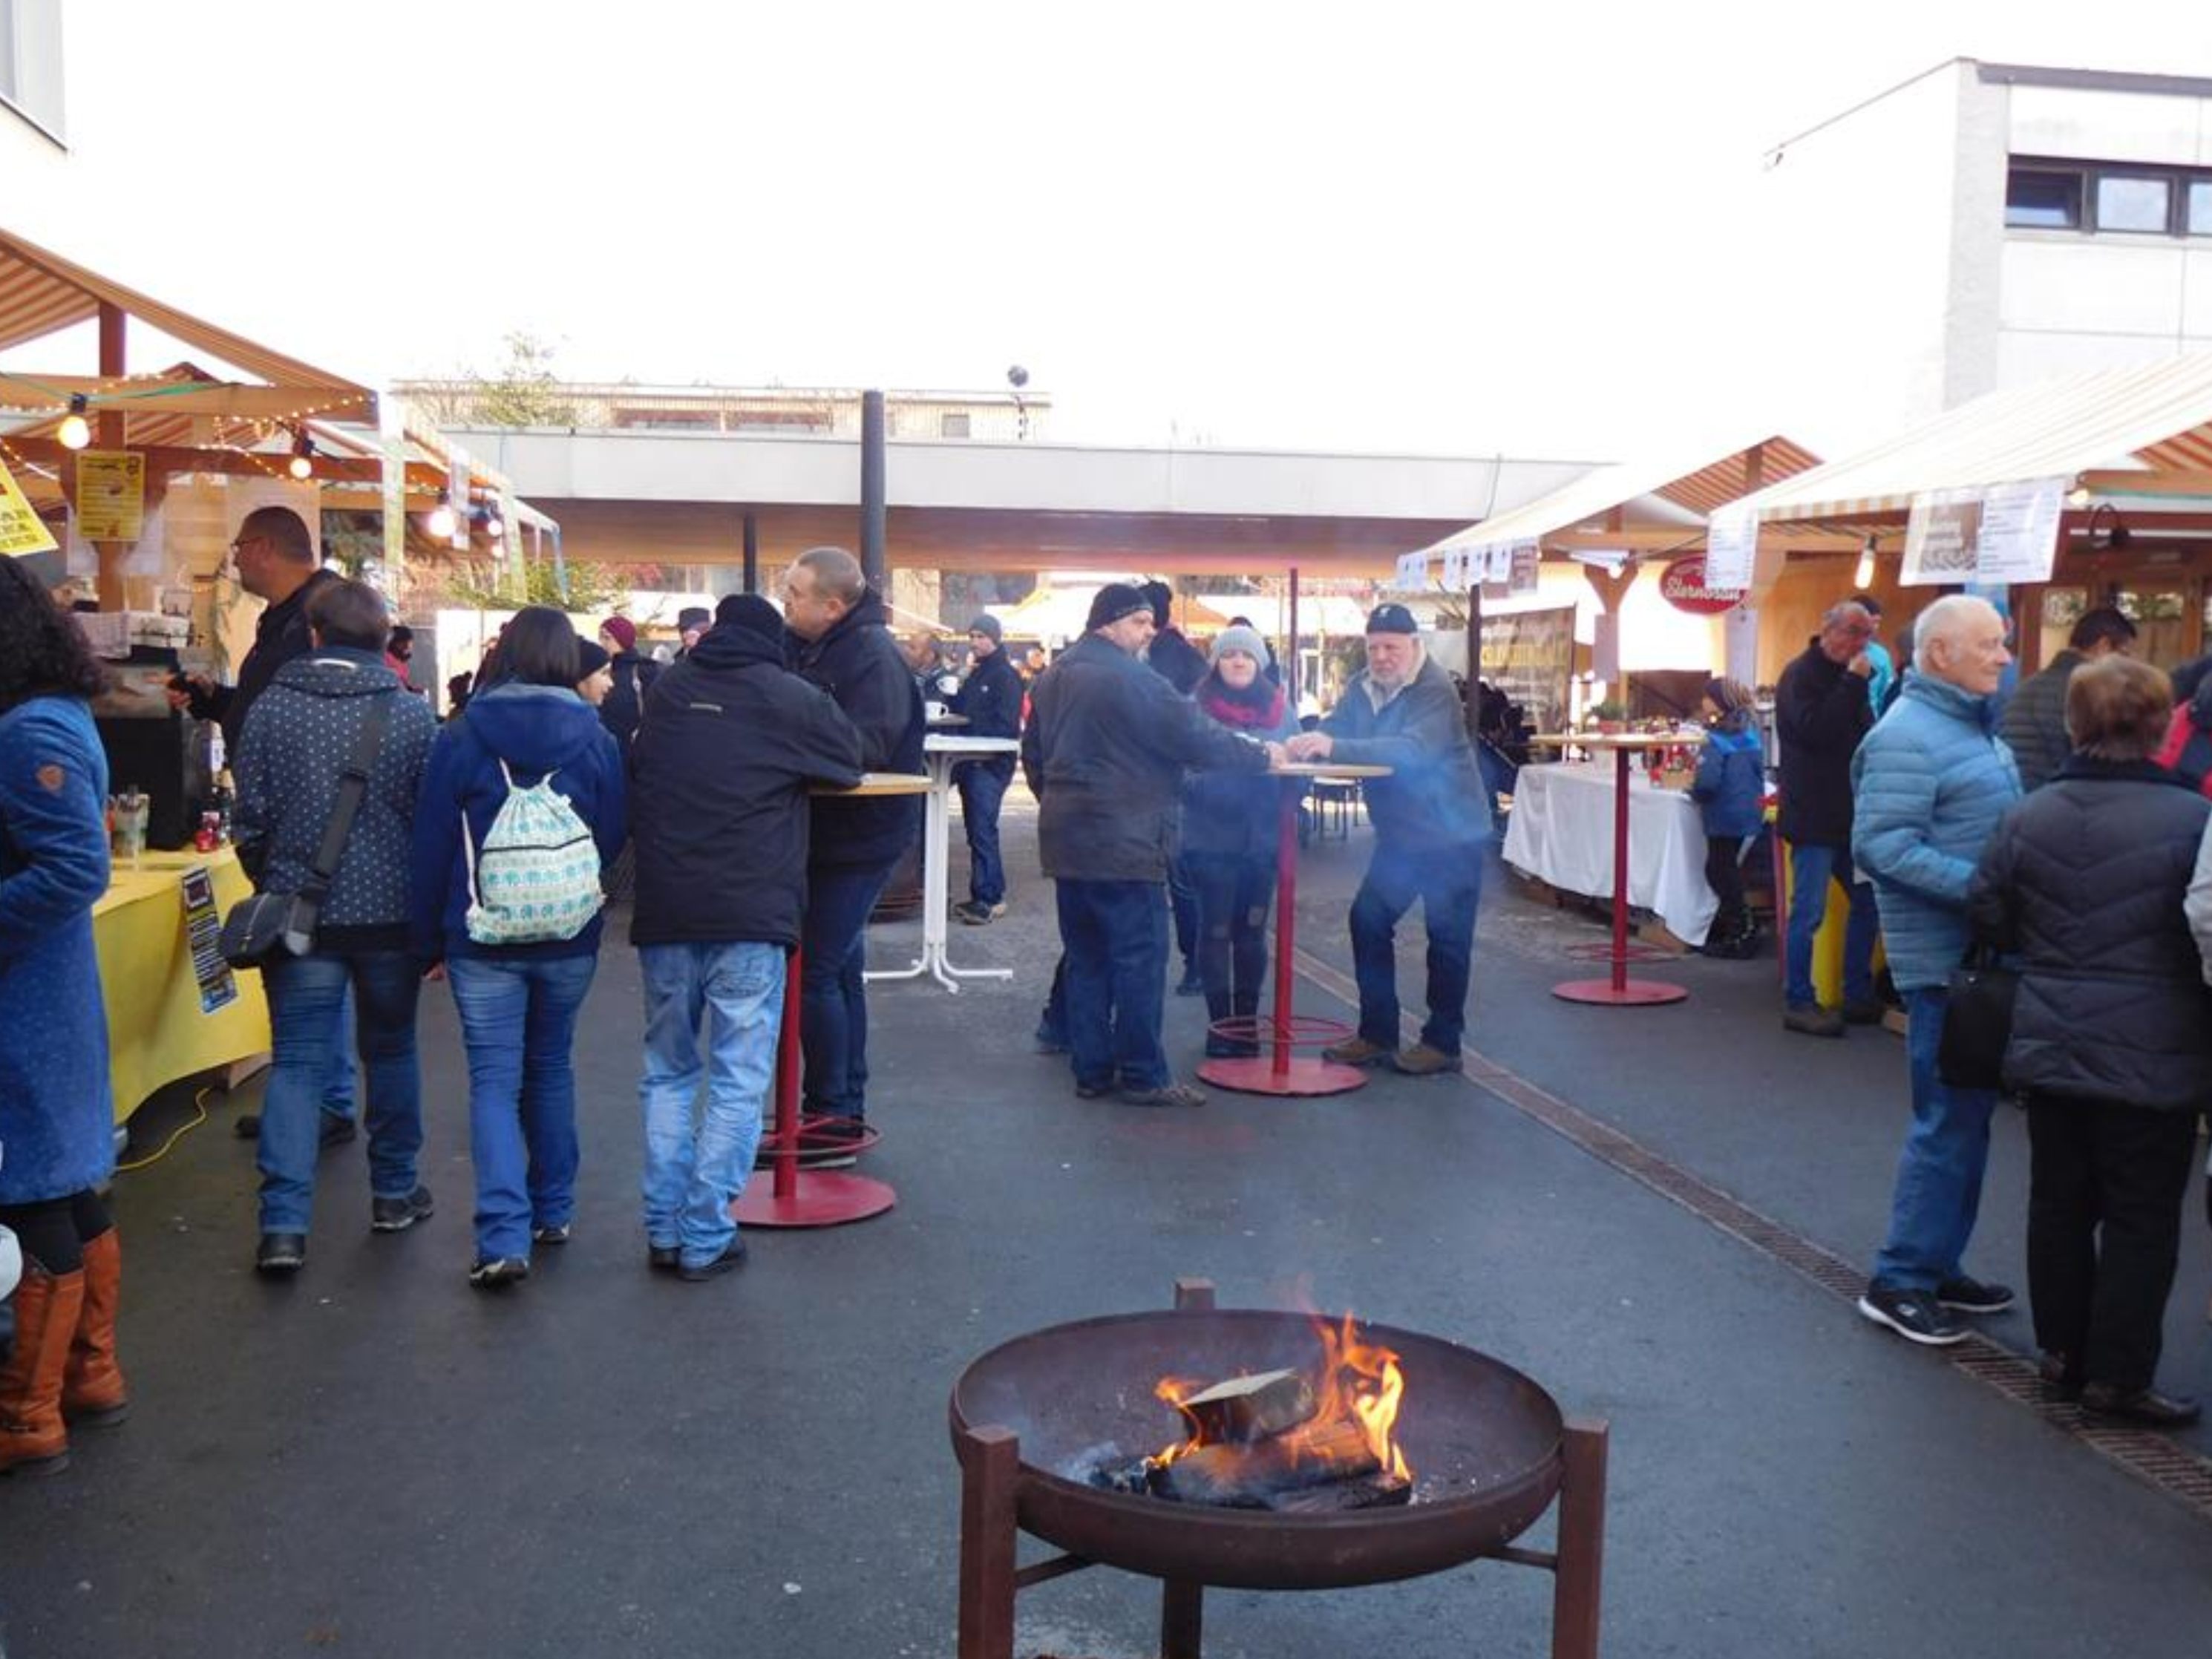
[246, 541]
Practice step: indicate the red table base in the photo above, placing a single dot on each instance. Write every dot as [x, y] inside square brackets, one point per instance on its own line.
[1300, 1078]
[1622, 994]
[796, 1197]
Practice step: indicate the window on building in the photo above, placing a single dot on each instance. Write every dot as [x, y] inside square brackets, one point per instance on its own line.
[2200, 207]
[953, 423]
[2134, 202]
[2037, 199]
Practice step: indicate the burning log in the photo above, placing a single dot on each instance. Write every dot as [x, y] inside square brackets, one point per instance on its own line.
[1252, 1477]
[1244, 1409]
[1372, 1491]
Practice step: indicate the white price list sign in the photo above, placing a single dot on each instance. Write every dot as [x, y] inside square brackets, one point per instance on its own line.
[1731, 549]
[2019, 538]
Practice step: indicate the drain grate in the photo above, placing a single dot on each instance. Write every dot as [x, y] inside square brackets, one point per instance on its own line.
[2151, 1458]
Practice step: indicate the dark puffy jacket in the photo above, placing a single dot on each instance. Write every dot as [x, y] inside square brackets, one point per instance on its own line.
[2035, 724]
[1104, 753]
[2085, 880]
[1434, 796]
[1821, 711]
[1237, 812]
[859, 664]
[280, 635]
[990, 699]
[728, 748]
[1176, 660]
[625, 703]
[537, 730]
[299, 736]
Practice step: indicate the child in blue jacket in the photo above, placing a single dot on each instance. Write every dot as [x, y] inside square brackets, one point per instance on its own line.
[1730, 785]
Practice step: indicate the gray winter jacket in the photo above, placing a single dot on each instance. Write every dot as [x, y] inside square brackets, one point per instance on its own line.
[1433, 798]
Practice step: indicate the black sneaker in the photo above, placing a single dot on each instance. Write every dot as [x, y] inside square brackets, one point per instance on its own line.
[1916, 1316]
[281, 1254]
[2145, 1406]
[976, 913]
[834, 1144]
[555, 1234]
[1971, 1296]
[396, 1215]
[663, 1258]
[732, 1256]
[499, 1272]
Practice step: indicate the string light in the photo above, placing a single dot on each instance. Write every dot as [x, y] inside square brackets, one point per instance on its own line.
[442, 520]
[75, 431]
[302, 463]
[1863, 577]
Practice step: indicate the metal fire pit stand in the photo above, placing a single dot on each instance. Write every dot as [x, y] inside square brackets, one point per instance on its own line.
[990, 1460]
[1279, 1072]
[813, 1198]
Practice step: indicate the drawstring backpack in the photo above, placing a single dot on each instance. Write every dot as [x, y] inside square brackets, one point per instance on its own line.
[536, 877]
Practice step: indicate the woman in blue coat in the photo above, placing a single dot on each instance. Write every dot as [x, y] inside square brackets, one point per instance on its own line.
[1730, 785]
[518, 1002]
[57, 1116]
[1228, 832]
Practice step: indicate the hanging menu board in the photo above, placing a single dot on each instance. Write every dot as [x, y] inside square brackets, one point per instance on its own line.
[1996, 533]
[1731, 549]
[111, 495]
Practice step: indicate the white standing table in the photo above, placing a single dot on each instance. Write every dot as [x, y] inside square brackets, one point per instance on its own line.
[940, 754]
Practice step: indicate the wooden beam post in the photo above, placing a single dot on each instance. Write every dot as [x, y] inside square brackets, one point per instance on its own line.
[108, 432]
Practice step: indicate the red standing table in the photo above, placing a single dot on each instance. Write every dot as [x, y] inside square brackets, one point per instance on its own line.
[1278, 1072]
[814, 1197]
[1617, 990]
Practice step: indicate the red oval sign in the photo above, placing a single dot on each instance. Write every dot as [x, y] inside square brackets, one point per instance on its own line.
[1682, 584]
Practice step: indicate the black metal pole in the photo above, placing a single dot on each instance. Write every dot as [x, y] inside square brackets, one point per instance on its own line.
[871, 491]
[752, 553]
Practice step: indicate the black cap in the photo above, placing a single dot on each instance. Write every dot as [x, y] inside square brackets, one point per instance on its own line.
[691, 616]
[1113, 602]
[591, 656]
[751, 612]
[1392, 619]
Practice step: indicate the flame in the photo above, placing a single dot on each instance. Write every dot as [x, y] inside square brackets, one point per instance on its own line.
[1362, 1381]
[1174, 1390]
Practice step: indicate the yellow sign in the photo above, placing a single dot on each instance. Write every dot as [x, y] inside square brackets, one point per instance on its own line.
[21, 529]
[111, 495]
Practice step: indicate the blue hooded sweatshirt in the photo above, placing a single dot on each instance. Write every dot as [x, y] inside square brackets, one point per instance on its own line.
[536, 730]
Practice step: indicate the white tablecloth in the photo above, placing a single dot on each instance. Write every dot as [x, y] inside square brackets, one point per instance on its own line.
[1561, 831]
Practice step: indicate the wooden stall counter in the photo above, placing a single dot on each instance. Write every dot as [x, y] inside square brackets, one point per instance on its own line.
[174, 1011]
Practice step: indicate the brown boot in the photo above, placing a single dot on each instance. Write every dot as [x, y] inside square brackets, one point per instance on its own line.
[32, 1438]
[93, 1394]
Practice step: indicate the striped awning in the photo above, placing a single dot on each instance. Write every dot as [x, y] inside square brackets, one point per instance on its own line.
[2154, 422]
[1635, 503]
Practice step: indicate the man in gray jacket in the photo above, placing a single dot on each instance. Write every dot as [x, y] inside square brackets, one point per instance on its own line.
[2035, 720]
[1104, 753]
[1432, 819]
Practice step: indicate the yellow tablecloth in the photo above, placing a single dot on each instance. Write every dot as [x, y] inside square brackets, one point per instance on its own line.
[156, 1031]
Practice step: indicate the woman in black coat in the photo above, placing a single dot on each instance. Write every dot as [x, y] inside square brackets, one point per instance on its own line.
[2112, 1037]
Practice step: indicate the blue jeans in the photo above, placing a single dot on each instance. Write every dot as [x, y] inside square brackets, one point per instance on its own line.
[693, 1174]
[1939, 1178]
[983, 787]
[1116, 937]
[337, 1088]
[1811, 870]
[305, 997]
[833, 1003]
[518, 1024]
[1448, 883]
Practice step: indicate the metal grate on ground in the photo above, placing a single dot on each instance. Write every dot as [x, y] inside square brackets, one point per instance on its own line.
[2151, 1458]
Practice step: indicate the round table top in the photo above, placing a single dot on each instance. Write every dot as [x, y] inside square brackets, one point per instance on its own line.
[1326, 769]
[881, 783]
[1687, 735]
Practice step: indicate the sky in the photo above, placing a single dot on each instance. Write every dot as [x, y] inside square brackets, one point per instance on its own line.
[1438, 229]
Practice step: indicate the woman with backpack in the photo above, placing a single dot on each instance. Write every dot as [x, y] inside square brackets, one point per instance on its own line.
[1730, 784]
[523, 805]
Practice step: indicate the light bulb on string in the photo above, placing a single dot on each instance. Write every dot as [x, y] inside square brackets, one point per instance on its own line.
[442, 520]
[75, 431]
[1862, 577]
[302, 463]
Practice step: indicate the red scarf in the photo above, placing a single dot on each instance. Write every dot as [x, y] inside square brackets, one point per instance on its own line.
[1229, 709]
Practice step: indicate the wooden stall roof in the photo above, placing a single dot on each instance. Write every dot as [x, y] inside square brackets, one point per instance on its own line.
[2139, 432]
[1638, 505]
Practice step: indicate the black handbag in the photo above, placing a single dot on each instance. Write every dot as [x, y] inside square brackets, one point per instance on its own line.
[269, 928]
[1977, 1021]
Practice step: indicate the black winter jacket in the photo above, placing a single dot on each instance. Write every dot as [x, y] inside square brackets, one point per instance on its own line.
[990, 699]
[625, 703]
[1176, 660]
[1104, 754]
[280, 635]
[728, 747]
[2034, 726]
[1433, 799]
[859, 664]
[1821, 712]
[2085, 880]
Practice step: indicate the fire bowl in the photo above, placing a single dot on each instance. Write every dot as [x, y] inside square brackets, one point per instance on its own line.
[1483, 1441]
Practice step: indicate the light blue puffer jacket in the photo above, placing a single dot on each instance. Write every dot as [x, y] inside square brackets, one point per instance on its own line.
[1928, 783]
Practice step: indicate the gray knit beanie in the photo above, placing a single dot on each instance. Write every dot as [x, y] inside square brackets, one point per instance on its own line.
[1237, 637]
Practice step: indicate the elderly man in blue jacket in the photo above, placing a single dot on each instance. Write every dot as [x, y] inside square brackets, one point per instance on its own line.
[1432, 819]
[1931, 782]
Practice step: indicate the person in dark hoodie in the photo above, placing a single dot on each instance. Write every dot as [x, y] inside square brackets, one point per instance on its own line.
[990, 700]
[634, 676]
[836, 638]
[518, 1003]
[298, 739]
[730, 745]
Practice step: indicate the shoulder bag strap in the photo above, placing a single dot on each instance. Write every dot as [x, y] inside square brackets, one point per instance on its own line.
[353, 785]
